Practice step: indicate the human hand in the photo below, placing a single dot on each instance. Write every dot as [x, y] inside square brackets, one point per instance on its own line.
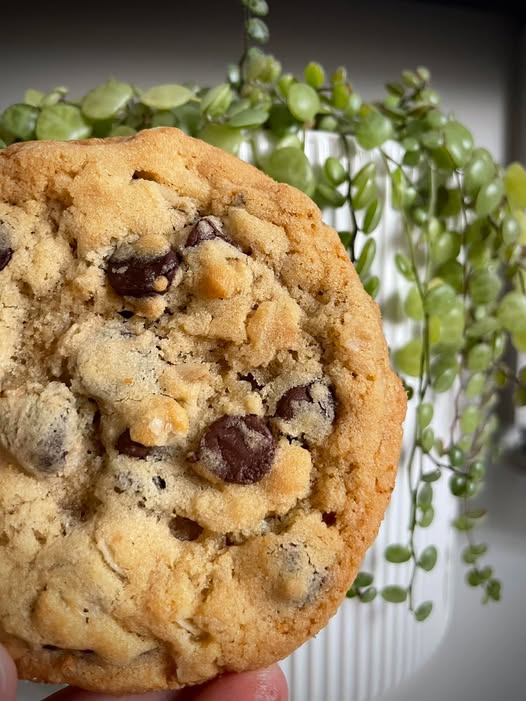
[262, 685]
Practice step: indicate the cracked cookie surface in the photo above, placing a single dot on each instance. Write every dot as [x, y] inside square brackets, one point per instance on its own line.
[199, 426]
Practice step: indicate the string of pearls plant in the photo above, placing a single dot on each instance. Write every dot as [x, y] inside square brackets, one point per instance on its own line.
[463, 250]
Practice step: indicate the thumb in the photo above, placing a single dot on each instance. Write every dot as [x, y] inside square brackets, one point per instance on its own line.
[263, 685]
[7, 676]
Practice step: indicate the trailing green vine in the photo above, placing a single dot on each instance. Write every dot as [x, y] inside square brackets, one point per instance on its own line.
[461, 257]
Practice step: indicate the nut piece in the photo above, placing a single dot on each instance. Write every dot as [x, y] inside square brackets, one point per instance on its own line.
[274, 326]
[157, 421]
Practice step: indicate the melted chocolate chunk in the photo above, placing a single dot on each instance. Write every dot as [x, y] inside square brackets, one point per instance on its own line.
[238, 449]
[184, 528]
[126, 446]
[290, 403]
[5, 256]
[135, 276]
[205, 230]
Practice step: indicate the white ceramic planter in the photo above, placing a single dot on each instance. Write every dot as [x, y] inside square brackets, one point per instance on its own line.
[369, 648]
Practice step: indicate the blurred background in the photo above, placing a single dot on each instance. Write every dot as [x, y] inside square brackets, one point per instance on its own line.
[476, 52]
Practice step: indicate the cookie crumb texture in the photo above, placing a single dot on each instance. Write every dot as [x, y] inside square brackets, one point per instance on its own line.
[199, 427]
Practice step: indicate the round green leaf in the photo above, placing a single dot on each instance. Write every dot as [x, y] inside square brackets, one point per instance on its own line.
[373, 130]
[290, 165]
[428, 558]
[424, 414]
[250, 118]
[366, 258]
[439, 300]
[413, 304]
[303, 102]
[20, 120]
[470, 419]
[257, 7]
[458, 141]
[334, 170]
[519, 341]
[512, 312]
[222, 136]
[217, 100]
[314, 74]
[363, 579]
[444, 380]
[372, 216]
[426, 519]
[372, 286]
[122, 130]
[484, 286]
[423, 611]
[166, 97]
[164, 118]
[452, 272]
[62, 122]
[433, 476]
[479, 357]
[427, 439]
[425, 495]
[445, 247]
[368, 595]
[257, 30]
[365, 194]
[340, 96]
[33, 97]
[326, 195]
[489, 197]
[408, 358]
[479, 171]
[397, 553]
[394, 594]
[515, 184]
[511, 229]
[366, 172]
[106, 100]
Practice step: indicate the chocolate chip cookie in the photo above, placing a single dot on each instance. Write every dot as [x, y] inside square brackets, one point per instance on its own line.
[199, 425]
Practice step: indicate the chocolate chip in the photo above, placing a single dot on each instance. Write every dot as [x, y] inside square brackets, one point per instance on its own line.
[238, 449]
[136, 276]
[126, 314]
[5, 256]
[298, 580]
[126, 446]
[205, 230]
[287, 406]
[184, 528]
[290, 403]
[249, 377]
[159, 482]
[51, 453]
[329, 518]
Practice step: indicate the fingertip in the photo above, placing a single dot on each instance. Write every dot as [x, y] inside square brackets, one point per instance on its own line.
[8, 676]
[261, 685]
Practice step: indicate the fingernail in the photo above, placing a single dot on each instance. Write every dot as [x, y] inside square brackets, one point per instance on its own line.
[271, 685]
